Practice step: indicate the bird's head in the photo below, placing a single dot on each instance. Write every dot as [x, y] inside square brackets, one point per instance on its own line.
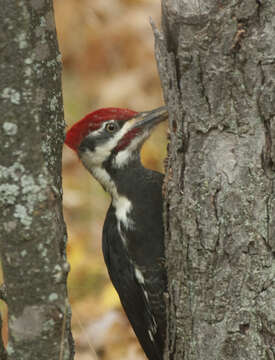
[112, 136]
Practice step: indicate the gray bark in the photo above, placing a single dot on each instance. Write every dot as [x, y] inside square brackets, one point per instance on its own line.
[217, 65]
[33, 233]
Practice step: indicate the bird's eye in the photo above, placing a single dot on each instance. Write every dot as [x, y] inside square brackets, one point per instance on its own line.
[111, 127]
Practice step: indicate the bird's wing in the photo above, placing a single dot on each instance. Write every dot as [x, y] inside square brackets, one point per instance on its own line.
[131, 290]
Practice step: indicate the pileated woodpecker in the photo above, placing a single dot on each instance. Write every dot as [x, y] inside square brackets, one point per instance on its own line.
[108, 142]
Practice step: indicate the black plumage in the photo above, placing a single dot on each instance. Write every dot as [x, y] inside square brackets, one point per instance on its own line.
[108, 142]
[146, 313]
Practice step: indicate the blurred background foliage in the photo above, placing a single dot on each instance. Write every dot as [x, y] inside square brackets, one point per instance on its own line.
[107, 48]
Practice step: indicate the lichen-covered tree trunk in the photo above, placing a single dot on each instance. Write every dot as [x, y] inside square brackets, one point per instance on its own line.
[217, 65]
[32, 230]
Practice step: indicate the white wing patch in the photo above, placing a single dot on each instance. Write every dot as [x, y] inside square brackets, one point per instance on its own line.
[151, 335]
[139, 276]
[123, 207]
[124, 241]
[141, 281]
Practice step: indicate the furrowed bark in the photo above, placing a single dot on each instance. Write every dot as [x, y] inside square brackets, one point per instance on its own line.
[217, 65]
[33, 233]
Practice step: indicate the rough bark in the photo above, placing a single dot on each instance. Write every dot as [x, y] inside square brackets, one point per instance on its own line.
[33, 234]
[217, 65]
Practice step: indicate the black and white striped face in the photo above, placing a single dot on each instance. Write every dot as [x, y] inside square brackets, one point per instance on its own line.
[118, 141]
[110, 140]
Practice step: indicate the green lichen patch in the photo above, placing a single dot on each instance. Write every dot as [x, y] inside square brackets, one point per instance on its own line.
[53, 297]
[54, 104]
[21, 213]
[21, 39]
[9, 128]
[13, 172]
[8, 193]
[12, 95]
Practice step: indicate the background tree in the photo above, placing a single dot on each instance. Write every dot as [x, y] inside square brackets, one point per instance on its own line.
[33, 234]
[217, 64]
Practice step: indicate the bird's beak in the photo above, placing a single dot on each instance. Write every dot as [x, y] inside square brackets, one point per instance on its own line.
[150, 118]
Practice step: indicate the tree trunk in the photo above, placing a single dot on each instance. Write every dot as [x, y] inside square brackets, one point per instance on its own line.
[217, 65]
[33, 233]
